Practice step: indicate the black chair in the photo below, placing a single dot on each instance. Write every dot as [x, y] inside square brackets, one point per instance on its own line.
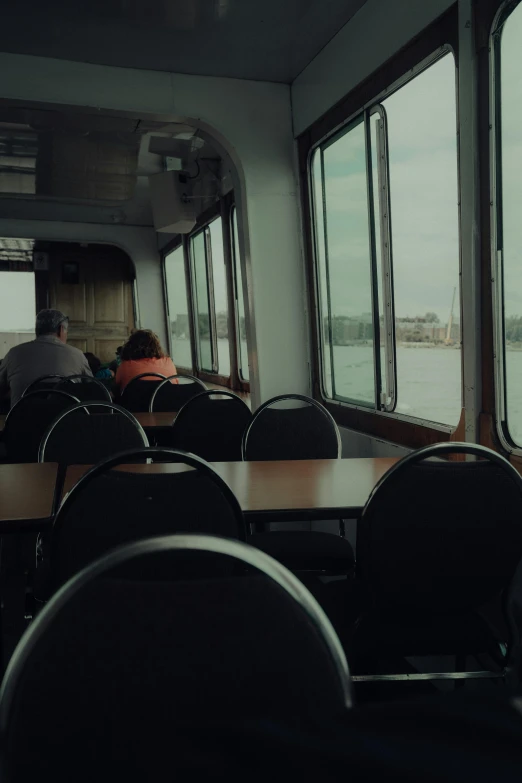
[44, 382]
[301, 429]
[173, 396]
[74, 439]
[212, 425]
[28, 421]
[108, 507]
[437, 546]
[84, 387]
[136, 396]
[134, 648]
[304, 431]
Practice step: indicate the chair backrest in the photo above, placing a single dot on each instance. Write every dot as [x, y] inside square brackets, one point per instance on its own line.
[212, 425]
[28, 421]
[170, 396]
[444, 536]
[122, 662]
[292, 426]
[44, 382]
[84, 387]
[137, 394]
[108, 507]
[73, 439]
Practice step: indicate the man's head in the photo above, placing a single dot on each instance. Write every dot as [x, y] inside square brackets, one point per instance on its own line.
[52, 322]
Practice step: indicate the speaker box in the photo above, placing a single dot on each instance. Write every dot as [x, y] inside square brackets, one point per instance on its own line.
[173, 210]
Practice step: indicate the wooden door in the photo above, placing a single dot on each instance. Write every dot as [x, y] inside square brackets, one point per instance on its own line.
[93, 286]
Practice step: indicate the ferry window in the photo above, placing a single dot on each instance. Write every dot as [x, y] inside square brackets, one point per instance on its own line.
[325, 321]
[220, 296]
[344, 276]
[199, 246]
[178, 310]
[509, 226]
[422, 152]
[385, 206]
[17, 302]
[243, 346]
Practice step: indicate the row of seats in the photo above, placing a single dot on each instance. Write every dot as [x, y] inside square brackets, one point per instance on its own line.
[431, 526]
[216, 425]
[197, 657]
[438, 544]
[146, 392]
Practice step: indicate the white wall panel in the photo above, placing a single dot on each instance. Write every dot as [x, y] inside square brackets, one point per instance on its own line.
[376, 32]
[251, 121]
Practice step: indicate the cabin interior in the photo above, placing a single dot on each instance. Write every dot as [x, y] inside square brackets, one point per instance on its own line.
[304, 197]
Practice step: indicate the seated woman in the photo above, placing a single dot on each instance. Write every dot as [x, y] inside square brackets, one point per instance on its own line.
[102, 373]
[143, 353]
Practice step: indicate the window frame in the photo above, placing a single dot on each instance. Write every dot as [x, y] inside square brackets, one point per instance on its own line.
[360, 119]
[221, 209]
[503, 12]
[205, 234]
[237, 281]
[436, 41]
[167, 250]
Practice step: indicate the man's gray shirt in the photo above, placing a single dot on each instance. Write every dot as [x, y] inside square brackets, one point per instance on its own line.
[46, 355]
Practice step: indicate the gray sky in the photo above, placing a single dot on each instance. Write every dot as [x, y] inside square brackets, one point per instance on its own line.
[176, 274]
[512, 156]
[17, 302]
[424, 201]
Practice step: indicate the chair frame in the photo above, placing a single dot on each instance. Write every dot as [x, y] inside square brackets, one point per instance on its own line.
[151, 453]
[143, 375]
[87, 379]
[302, 398]
[38, 393]
[39, 380]
[86, 405]
[414, 458]
[171, 378]
[208, 393]
[203, 543]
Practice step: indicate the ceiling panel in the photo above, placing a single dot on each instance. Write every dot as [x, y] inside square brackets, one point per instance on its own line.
[271, 40]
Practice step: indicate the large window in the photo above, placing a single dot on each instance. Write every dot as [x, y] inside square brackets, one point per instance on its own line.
[385, 204]
[200, 305]
[211, 298]
[178, 309]
[17, 302]
[508, 90]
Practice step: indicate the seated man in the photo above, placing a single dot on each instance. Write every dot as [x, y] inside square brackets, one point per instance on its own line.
[47, 355]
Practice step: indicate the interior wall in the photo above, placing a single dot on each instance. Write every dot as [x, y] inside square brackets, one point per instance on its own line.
[138, 243]
[252, 123]
[376, 32]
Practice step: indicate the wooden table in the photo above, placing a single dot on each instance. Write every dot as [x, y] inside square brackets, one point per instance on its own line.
[307, 489]
[311, 489]
[150, 420]
[26, 496]
[154, 420]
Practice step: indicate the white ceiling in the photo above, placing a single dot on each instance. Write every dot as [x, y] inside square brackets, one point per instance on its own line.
[269, 40]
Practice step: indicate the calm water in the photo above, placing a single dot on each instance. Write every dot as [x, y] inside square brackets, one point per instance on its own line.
[428, 380]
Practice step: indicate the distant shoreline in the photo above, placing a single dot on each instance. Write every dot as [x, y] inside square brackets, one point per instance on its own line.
[401, 344]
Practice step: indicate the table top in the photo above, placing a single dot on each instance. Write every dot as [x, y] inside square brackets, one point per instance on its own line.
[318, 488]
[146, 419]
[159, 419]
[26, 495]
